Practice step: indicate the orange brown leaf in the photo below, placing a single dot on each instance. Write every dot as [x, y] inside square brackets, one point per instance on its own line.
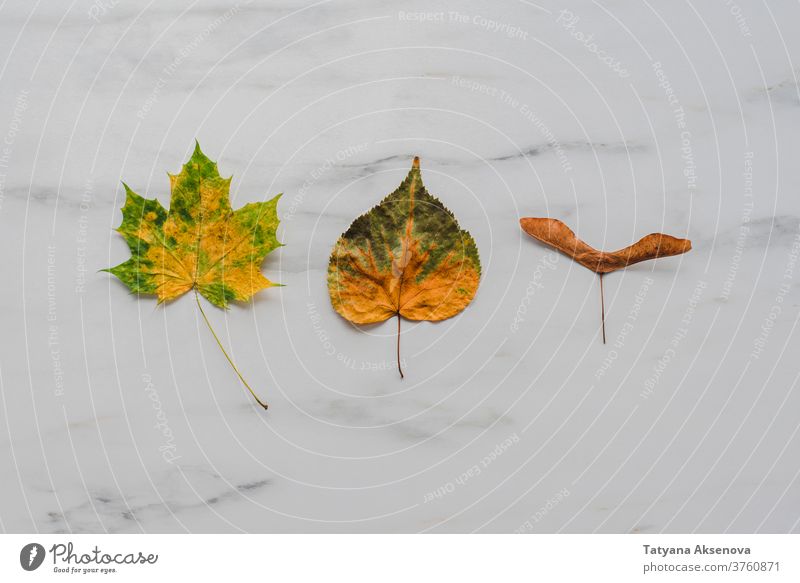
[406, 257]
[556, 234]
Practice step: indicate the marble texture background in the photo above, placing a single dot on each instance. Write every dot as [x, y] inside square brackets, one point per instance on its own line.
[620, 118]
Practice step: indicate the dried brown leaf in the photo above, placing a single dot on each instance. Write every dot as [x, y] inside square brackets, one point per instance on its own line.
[556, 234]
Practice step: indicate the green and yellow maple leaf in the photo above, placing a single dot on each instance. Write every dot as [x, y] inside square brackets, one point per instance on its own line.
[201, 244]
[406, 257]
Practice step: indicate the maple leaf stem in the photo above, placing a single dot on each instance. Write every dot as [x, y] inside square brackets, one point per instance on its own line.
[222, 348]
[602, 308]
[398, 346]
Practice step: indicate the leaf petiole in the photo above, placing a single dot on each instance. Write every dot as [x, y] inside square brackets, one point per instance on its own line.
[398, 347]
[222, 348]
[602, 308]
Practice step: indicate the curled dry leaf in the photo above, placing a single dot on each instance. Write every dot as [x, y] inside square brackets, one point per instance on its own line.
[556, 234]
[406, 257]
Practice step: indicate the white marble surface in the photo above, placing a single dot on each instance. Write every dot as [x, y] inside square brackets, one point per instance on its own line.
[121, 416]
